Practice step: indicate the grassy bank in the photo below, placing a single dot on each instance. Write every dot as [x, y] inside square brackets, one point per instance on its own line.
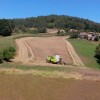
[6, 42]
[38, 67]
[16, 36]
[86, 51]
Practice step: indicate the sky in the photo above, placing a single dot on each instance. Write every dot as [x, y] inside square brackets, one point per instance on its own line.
[88, 9]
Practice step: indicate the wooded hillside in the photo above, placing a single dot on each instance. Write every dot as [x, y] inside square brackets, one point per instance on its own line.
[55, 21]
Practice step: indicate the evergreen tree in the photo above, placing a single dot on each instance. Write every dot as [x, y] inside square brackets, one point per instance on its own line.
[5, 28]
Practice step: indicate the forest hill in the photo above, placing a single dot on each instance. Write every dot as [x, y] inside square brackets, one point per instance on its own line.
[56, 21]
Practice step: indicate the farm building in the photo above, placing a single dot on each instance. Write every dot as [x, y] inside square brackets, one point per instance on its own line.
[89, 36]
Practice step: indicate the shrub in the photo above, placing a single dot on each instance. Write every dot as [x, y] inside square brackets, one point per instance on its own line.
[58, 33]
[1, 56]
[8, 53]
[51, 25]
[97, 55]
[16, 30]
[96, 38]
[73, 35]
[42, 30]
[35, 31]
[12, 49]
[61, 33]
[66, 30]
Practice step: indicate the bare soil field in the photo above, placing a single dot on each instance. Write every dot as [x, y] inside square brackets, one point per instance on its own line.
[28, 87]
[34, 50]
[39, 48]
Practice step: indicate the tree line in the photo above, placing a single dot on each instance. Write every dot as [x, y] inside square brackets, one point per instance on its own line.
[7, 26]
[57, 21]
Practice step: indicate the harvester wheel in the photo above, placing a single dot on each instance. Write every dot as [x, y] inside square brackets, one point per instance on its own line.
[47, 61]
[62, 63]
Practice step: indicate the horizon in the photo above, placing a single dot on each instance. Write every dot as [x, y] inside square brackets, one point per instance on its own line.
[11, 9]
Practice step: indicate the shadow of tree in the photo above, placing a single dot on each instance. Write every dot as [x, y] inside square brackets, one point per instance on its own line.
[1, 61]
[98, 61]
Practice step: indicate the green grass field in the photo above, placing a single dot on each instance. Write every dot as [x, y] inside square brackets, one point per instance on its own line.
[6, 42]
[86, 51]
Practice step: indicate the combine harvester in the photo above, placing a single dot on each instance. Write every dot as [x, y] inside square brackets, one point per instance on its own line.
[55, 60]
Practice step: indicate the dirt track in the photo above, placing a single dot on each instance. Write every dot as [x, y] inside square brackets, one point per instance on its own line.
[76, 60]
[34, 50]
[24, 53]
